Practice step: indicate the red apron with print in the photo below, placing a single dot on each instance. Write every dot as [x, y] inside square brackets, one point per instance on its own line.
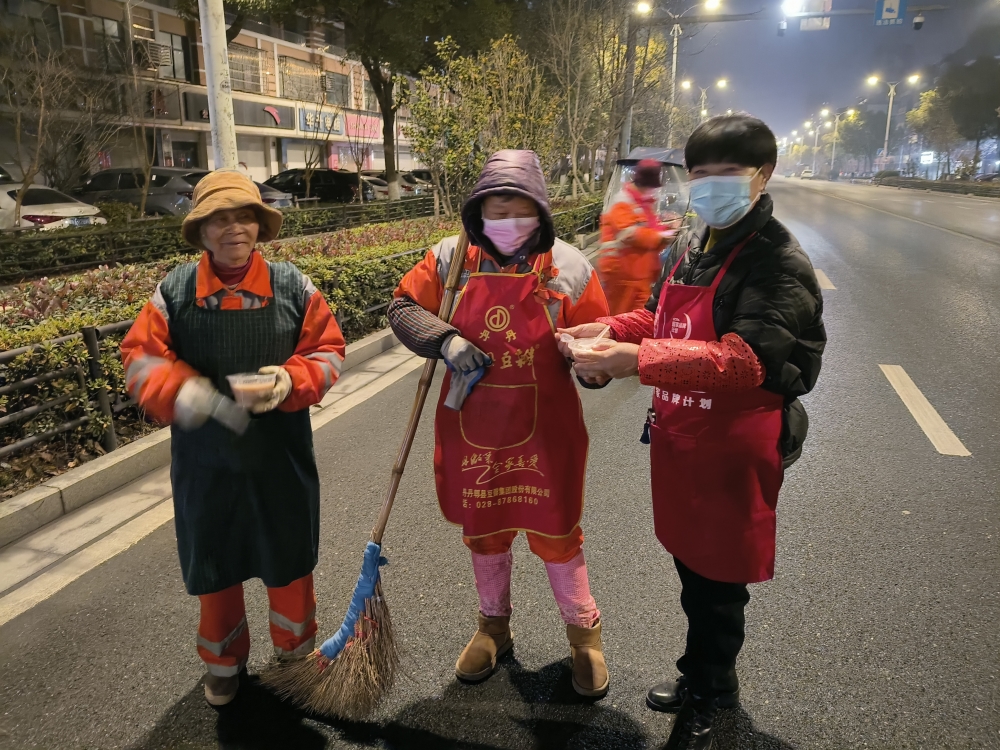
[715, 459]
[515, 456]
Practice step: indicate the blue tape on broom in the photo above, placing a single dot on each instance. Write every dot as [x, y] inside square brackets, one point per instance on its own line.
[365, 589]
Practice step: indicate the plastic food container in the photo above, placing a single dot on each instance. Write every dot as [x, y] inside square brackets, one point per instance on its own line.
[250, 388]
[587, 345]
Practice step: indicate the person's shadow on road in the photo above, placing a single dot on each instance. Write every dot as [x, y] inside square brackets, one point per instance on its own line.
[513, 710]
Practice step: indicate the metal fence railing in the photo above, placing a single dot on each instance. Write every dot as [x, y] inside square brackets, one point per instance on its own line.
[81, 365]
[85, 394]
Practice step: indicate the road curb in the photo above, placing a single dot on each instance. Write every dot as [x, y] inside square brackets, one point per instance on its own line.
[67, 492]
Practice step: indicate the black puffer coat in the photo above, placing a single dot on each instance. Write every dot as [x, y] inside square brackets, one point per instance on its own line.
[771, 299]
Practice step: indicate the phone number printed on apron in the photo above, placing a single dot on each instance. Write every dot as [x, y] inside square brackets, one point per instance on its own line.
[516, 493]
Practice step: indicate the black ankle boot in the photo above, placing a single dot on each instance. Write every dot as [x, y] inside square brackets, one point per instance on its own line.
[668, 696]
[693, 725]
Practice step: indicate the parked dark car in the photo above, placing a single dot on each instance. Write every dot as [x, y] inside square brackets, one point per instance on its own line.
[328, 185]
[5, 175]
[988, 177]
[170, 189]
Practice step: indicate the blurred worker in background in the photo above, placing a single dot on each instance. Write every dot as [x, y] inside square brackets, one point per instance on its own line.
[632, 239]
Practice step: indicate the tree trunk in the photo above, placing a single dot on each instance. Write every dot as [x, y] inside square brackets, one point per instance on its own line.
[383, 93]
[28, 176]
[236, 26]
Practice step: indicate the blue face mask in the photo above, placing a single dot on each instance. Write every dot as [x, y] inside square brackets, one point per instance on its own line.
[722, 201]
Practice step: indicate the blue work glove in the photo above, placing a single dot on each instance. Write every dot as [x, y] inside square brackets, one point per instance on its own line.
[461, 385]
[467, 364]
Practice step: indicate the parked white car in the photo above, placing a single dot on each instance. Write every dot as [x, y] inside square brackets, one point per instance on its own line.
[380, 186]
[44, 208]
[807, 173]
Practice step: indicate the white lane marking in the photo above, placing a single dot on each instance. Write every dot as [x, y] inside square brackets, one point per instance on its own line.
[70, 568]
[82, 561]
[824, 280]
[944, 440]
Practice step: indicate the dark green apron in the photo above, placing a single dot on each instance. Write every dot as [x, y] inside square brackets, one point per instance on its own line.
[244, 506]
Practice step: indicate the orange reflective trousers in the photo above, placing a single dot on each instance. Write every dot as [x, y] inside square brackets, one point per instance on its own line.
[223, 637]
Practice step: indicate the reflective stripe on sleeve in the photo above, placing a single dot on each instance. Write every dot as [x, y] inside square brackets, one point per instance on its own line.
[626, 234]
[308, 290]
[160, 303]
[331, 358]
[138, 371]
[217, 648]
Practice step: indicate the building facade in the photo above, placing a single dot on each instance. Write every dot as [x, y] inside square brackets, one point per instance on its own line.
[296, 96]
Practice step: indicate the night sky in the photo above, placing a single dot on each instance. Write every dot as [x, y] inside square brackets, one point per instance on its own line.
[785, 79]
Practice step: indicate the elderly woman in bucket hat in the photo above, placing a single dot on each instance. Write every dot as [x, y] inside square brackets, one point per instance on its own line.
[245, 486]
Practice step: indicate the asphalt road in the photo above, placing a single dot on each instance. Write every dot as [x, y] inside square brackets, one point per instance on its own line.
[978, 218]
[879, 631]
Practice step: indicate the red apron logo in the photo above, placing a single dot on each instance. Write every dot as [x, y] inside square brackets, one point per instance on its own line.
[680, 328]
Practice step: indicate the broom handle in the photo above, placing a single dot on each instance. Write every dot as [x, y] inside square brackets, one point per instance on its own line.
[444, 312]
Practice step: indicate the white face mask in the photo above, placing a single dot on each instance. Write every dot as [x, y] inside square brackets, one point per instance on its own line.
[509, 235]
[722, 201]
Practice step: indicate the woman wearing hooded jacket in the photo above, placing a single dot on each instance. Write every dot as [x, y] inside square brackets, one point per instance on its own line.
[510, 454]
[730, 338]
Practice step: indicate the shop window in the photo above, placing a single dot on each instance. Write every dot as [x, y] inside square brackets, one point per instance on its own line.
[334, 39]
[38, 19]
[142, 23]
[300, 80]
[177, 56]
[294, 29]
[185, 155]
[337, 89]
[371, 102]
[106, 52]
[245, 68]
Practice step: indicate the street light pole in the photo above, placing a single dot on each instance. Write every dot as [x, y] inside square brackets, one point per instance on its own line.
[675, 34]
[888, 120]
[815, 148]
[220, 94]
[628, 94]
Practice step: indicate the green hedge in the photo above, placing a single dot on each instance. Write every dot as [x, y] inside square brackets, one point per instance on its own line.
[30, 255]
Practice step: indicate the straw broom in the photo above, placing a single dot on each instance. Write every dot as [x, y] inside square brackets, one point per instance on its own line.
[348, 675]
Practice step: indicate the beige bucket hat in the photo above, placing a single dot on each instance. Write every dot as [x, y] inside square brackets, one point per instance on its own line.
[227, 189]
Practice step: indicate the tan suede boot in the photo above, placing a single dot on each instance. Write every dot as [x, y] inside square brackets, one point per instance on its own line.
[590, 672]
[492, 640]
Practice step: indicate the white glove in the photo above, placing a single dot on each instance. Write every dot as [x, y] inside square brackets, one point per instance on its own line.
[462, 354]
[198, 400]
[282, 387]
[193, 405]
